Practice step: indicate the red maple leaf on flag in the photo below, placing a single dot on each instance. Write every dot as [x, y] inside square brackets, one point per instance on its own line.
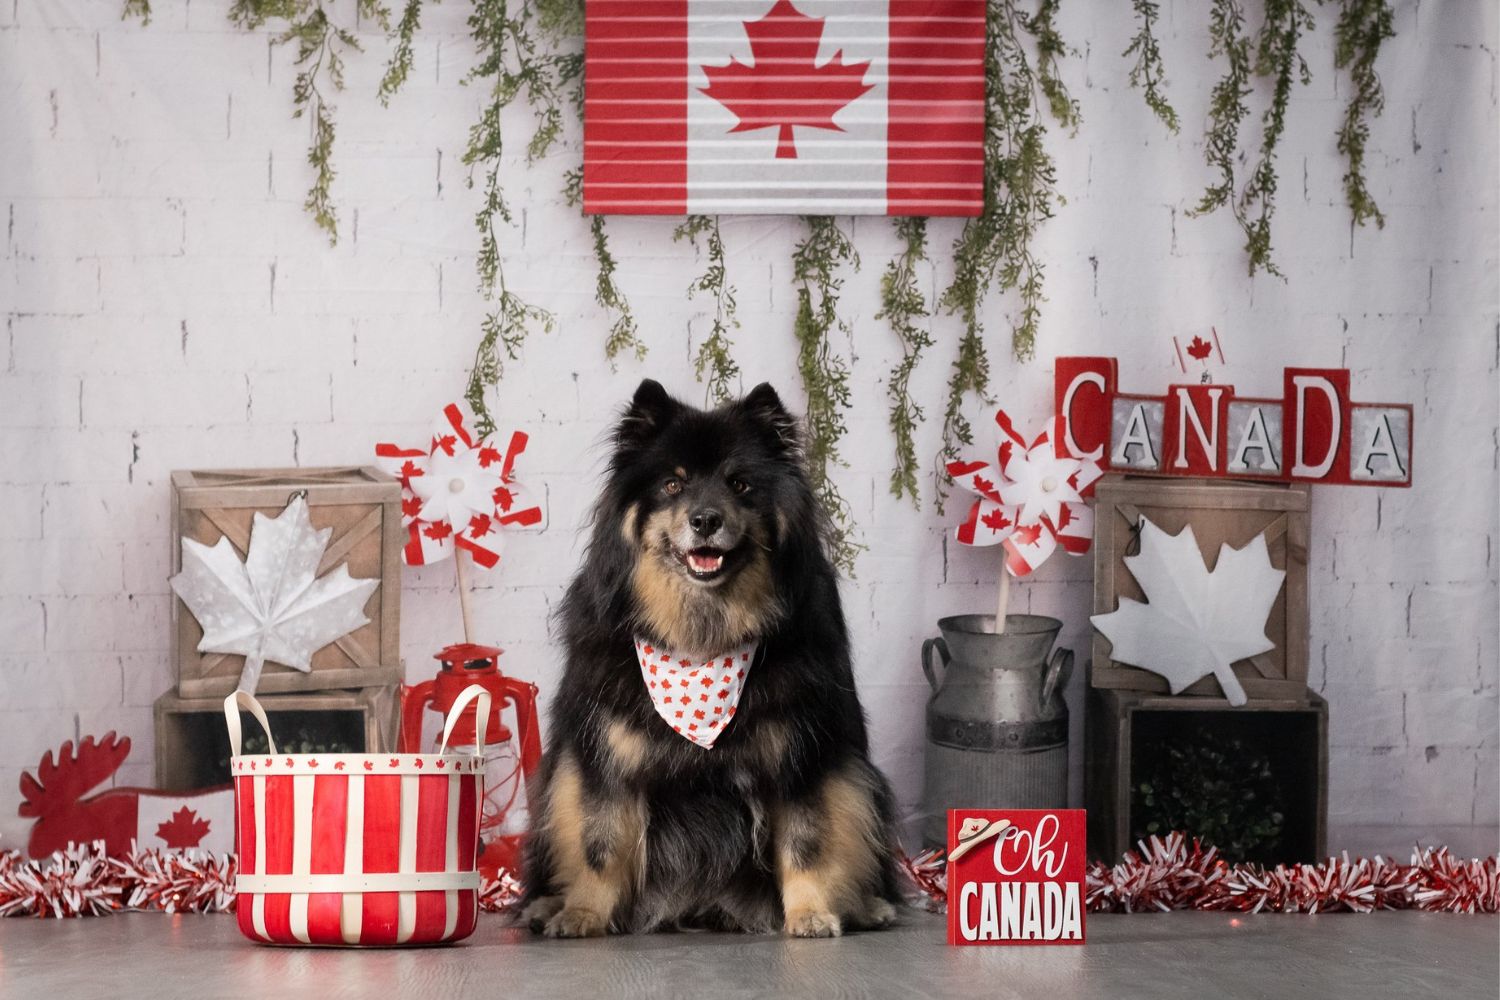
[1027, 534]
[995, 520]
[184, 829]
[983, 485]
[1199, 348]
[1064, 517]
[784, 86]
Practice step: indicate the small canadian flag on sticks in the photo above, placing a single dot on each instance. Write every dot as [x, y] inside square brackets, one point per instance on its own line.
[847, 107]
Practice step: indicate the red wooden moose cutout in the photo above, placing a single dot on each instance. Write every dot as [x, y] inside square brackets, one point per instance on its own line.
[120, 817]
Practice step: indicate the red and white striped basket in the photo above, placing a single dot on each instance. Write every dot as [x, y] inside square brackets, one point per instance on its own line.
[357, 849]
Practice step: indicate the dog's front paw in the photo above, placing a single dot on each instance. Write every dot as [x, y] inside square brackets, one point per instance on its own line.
[813, 924]
[576, 922]
[541, 910]
[878, 914]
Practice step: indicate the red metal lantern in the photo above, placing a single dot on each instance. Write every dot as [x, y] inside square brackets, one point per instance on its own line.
[508, 767]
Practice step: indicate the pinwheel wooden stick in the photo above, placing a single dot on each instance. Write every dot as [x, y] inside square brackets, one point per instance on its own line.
[1002, 606]
[463, 594]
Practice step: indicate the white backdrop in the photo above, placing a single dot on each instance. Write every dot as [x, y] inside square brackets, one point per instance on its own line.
[167, 304]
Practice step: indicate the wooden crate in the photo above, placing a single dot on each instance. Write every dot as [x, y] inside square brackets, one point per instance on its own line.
[1292, 733]
[1219, 512]
[361, 505]
[192, 745]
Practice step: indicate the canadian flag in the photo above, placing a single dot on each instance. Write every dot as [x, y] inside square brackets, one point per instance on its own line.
[846, 107]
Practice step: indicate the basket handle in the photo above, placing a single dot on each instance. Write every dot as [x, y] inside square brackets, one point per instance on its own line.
[232, 706]
[481, 718]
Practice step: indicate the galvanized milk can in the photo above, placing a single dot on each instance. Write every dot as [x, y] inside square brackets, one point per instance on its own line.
[997, 727]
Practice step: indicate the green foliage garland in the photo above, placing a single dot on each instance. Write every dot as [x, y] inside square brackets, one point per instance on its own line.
[1147, 74]
[1362, 26]
[825, 375]
[713, 362]
[528, 49]
[1020, 185]
[903, 306]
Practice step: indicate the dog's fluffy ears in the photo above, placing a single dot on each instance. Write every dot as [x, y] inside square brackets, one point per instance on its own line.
[651, 409]
[763, 404]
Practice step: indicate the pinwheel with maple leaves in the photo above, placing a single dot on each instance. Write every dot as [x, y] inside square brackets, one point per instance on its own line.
[459, 490]
[1030, 498]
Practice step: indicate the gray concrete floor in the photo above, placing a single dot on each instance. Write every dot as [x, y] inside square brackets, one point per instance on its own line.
[1157, 956]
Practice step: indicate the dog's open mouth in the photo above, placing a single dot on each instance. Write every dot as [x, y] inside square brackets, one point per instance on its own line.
[703, 563]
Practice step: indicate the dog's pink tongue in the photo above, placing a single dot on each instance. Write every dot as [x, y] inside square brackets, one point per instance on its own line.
[705, 563]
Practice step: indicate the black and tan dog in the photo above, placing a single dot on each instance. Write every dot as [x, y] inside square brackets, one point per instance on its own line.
[707, 539]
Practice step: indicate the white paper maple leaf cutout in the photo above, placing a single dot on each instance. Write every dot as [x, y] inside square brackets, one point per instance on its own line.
[1197, 622]
[273, 606]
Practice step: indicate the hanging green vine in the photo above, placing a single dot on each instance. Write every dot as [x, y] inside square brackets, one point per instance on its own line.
[1227, 107]
[511, 65]
[995, 249]
[398, 68]
[1362, 27]
[1049, 49]
[1147, 74]
[904, 307]
[1275, 56]
[713, 364]
[623, 335]
[321, 49]
[825, 375]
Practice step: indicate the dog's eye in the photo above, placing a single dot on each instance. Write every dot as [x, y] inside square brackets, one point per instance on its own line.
[739, 486]
[672, 487]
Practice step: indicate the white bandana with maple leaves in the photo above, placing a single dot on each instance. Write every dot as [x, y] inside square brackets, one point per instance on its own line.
[697, 698]
[1030, 498]
[459, 491]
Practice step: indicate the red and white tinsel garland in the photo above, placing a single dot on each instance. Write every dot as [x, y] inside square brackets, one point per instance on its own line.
[1165, 873]
[83, 881]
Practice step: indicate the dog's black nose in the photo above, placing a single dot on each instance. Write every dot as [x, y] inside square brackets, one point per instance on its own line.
[705, 522]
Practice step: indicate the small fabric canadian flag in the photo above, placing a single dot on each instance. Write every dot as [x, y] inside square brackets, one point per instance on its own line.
[833, 107]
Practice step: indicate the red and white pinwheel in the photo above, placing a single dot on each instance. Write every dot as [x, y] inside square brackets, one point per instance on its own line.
[459, 491]
[1030, 499]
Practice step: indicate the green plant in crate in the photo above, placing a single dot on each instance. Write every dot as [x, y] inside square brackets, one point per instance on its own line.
[1215, 788]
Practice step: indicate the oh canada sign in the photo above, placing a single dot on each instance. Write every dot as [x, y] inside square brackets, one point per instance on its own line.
[1015, 876]
[1315, 433]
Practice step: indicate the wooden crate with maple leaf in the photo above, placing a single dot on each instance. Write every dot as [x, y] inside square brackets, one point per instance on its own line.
[1219, 513]
[361, 506]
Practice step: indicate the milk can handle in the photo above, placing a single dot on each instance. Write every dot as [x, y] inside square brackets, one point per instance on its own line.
[941, 645]
[232, 720]
[1059, 669]
[481, 717]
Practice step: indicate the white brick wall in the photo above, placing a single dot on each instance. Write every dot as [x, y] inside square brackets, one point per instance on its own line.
[165, 303]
